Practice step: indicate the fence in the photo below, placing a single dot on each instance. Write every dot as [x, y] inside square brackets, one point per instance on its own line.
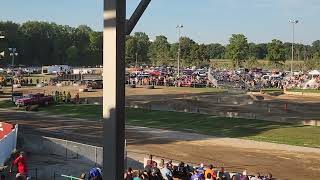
[65, 148]
[8, 145]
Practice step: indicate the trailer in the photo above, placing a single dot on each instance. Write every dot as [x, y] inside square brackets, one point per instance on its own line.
[56, 69]
[78, 77]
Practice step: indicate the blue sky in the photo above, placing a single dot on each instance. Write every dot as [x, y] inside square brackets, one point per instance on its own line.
[204, 21]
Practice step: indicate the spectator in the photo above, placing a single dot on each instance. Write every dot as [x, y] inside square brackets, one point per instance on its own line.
[222, 175]
[20, 176]
[95, 174]
[83, 176]
[211, 171]
[166, 173]
[201, 168]
[150, 162]
[244, 176]
[138, 175]
[156, 174]
[208, 176]
[170, 166]
[256, 177]
[196, 175]
[129, 174]
[21, 164]
[181, 171]
[269, 177]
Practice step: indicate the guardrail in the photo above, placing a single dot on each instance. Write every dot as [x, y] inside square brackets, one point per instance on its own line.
[70, 177]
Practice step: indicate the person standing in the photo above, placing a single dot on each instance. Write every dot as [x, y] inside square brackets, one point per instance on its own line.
[21, 164]
[95, 174]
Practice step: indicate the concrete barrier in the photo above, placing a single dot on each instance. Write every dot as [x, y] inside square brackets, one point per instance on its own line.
[302, 94]
[53, 157]
[68, 149]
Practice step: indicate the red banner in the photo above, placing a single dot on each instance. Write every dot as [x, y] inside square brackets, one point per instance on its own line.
[5, 129]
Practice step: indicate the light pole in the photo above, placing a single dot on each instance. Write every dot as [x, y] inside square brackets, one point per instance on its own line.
[1, 35]
[179, 27]
[293, 22]
[2, 53]
[13, 53]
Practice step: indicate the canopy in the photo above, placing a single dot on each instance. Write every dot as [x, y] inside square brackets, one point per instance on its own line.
[314, 72]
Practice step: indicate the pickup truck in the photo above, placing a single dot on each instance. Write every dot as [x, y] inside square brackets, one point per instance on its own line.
[34, 99]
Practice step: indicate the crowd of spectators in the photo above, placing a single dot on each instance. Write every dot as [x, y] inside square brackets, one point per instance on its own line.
[253, 79]
[182, 171]
[182, 81]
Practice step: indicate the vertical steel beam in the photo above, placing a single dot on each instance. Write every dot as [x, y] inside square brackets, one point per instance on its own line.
[113, 88]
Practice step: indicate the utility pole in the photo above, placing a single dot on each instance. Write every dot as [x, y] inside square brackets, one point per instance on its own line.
[179, 27]
[13, 53]
[2, 53]
[293, 22]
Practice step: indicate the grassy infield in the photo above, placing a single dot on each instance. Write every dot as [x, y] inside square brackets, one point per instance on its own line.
[285, 133]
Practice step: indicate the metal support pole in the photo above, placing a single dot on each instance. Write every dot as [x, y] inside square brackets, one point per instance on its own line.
[12, 62]
[293, 22]
[113, 88]
[179, 48]
[12, 79]
[292, 50]
[131, 23]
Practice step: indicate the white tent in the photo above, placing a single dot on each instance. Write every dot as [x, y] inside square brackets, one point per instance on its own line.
[314, 72]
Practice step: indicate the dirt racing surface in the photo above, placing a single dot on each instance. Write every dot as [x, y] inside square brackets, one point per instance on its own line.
[231, 104]
[285, 162]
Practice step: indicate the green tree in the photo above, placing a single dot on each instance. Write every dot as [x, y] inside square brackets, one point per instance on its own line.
[131, 49]
[95, 48]
[186, 47]
[258, 51]
[199, 55]
[160, 51]
[315, 48]
[237, 49]
[143, 45]
[72, 55]
[216, 51]
[174, 50]
[276, 52]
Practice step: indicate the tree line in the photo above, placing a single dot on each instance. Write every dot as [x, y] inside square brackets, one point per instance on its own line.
[42, 43]
[239, 51]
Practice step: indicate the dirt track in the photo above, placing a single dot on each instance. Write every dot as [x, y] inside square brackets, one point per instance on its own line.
[285, 162]
[258, 106]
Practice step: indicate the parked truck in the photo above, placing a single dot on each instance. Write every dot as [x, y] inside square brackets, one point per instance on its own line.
[34, 99]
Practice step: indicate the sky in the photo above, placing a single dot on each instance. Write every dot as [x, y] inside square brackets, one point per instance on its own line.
[205, 21]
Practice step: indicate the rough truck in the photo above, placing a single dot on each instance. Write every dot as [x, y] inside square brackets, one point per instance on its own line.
[34, 99]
